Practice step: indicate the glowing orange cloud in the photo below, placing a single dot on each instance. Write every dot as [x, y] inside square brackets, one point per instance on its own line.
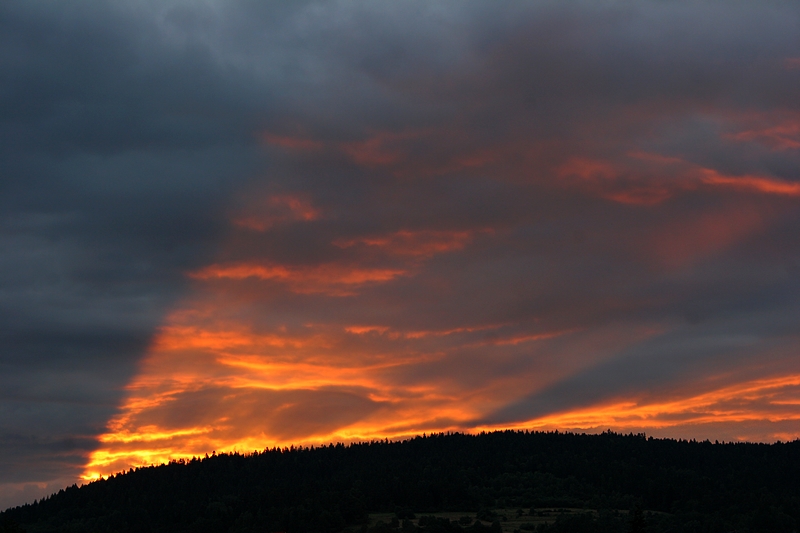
[783, 137]
[208, 384]
[650, 186]
[362, 330]
[778, 130]
[425, 243]
[188, 337]
[241, 390]
[329, 279]
[701, 235]
[519, 339]
[418, 334]
[758, 184]
[762, 400]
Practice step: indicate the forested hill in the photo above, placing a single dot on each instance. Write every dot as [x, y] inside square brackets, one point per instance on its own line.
[672, 485]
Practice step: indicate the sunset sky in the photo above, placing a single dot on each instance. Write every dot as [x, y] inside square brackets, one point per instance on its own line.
[232, 225]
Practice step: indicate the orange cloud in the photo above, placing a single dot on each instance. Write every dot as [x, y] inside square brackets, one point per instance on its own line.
[703, 235]
[777, 129]
[751, 183]
[277, 209]
[783, 137]
[362, 330]
[208, 384]
[331, 279]
[423, 243]
[616, 182]
[649, 186]
[253, 399]
[417, 334]
[192, 337]
[588, 169]
[761, 400]
[518, 339]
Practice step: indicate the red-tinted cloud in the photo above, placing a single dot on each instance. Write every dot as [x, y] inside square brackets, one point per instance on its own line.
[328, 279]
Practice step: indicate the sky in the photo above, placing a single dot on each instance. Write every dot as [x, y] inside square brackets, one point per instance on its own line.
[239, 225]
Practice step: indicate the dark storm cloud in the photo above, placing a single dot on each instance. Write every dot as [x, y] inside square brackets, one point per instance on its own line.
[537, 167]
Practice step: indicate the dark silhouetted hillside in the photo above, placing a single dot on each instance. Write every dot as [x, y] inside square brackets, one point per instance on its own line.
[670, 485]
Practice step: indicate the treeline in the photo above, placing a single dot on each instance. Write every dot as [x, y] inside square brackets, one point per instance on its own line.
[674, 485]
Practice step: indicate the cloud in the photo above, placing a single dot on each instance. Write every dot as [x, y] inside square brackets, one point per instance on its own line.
[279, 209]
[354, 220]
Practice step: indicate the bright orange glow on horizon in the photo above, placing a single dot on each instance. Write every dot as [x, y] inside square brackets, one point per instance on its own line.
[734, 403]
[210, 385]
[182, 412]
[358, 337]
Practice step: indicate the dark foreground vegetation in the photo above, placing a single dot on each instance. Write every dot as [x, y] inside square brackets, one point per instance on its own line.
[611, 482]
